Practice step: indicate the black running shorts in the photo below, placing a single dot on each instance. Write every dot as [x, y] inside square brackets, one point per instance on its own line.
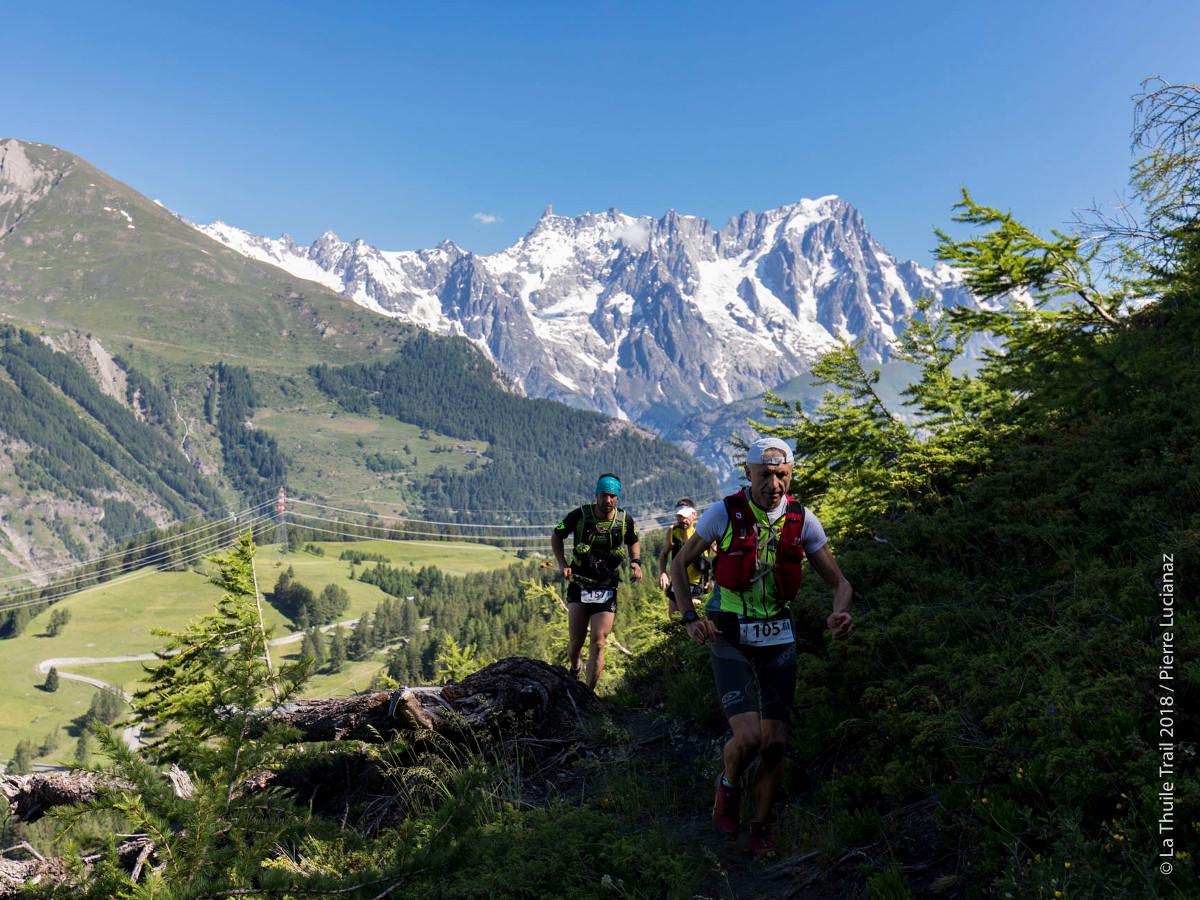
[575, 595]
[736, 668]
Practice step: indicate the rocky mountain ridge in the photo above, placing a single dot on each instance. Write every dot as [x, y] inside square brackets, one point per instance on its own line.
[647, 319]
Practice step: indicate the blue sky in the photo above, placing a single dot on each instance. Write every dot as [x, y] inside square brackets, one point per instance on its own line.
[400, 123]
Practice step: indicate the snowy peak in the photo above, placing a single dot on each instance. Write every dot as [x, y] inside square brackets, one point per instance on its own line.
[644, 318]
[282, 252]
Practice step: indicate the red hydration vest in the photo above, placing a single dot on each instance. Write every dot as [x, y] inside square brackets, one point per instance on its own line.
[738, 563]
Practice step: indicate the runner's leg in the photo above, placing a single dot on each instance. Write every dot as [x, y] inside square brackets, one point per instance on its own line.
[743, 746]
[734, 677]
[577, 627]
[601, 625]
[770, 767]
[776, 670]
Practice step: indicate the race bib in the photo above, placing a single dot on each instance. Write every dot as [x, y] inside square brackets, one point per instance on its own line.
[765, 632]
[601, 596]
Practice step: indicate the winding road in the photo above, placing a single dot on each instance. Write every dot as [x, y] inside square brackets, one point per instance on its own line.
[133, 734]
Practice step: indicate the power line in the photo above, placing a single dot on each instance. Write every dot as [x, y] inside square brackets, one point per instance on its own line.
[216, 534]
[447, 538]
[187, 556]
[649, 517]
[205, 543]
[125, 578]
[116, 554]
[656, 501]
[465, 538]
[359, 537]
[404, 518]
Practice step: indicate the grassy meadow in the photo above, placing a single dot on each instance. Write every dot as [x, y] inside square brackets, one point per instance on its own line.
[327, 450]
[117, 618]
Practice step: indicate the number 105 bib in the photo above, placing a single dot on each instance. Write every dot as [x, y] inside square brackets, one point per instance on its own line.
[765, 632]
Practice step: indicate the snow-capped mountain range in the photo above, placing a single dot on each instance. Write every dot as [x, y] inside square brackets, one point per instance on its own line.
[641, 318]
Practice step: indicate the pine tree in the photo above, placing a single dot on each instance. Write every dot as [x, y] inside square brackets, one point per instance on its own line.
[337, 651]
[331, 603]
[19, 622]
[51, 683]
[409, 620]
[385, 624]
[83, 747]
[848, 449]
[209, 696]
[22, 761]
[174, 559]
[359, 646]
[108, 705]
[313, 646]
[50, 742]
[58, 620]
[454, 663]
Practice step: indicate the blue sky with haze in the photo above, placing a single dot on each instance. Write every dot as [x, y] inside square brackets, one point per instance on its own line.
[400, 123]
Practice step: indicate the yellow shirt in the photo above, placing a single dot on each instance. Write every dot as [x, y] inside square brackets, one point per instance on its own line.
[673, 534]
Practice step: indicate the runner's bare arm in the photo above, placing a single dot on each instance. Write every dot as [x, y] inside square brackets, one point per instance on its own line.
[664, 577]
[556, 544]
[839, 620]
[702, 629]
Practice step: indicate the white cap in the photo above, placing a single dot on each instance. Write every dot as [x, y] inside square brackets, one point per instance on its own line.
[684, 510]
[771, 451]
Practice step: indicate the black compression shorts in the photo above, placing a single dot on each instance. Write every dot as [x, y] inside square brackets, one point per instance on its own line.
[736, 668]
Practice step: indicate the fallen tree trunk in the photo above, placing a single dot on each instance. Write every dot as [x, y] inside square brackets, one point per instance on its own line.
[515, 704]
[16, 872]
[516, 698]
[133, 855]
[29, 796]
[514, 694]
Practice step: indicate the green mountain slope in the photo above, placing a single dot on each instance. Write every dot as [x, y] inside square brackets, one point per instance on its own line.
[80, 469]
[541, 453]
[218, 352]
[79, 250]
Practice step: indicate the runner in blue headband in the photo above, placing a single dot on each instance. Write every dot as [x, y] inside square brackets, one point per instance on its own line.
[609, 484]
[604, 538]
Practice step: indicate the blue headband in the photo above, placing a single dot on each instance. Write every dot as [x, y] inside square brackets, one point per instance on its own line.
[608, 485]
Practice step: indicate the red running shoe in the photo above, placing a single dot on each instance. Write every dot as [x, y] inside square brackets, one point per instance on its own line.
[726, 808]
[762, 845]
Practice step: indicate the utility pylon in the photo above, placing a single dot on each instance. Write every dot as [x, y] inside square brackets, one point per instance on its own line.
[281, 535]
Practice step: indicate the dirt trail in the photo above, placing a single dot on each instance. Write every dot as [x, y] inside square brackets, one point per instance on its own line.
[680, 760]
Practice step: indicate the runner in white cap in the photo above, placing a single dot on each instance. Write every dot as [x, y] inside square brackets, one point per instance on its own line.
[762, 538]
[699, 573]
